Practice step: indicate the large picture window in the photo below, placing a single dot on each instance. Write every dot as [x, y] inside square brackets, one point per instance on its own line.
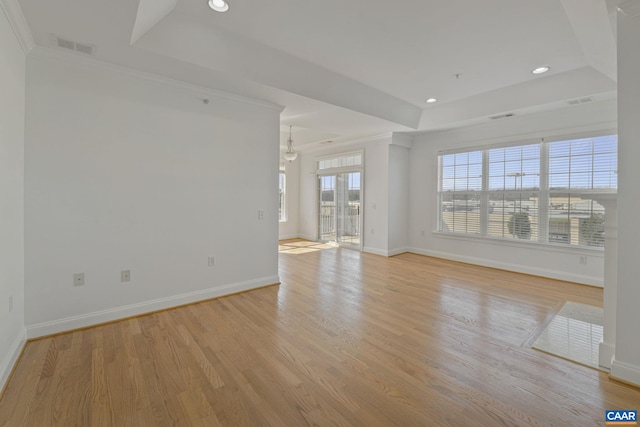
[543, 192]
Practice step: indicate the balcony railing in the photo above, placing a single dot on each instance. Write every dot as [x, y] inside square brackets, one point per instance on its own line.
[346, 219]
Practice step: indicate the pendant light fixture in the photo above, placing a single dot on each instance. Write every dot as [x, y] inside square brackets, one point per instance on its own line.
[291, 154]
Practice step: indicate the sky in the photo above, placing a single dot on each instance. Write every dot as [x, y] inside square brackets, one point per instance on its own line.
[587, 163]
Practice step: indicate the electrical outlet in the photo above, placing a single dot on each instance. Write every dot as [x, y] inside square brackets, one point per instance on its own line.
[582, 260]
[78, 279]
[372, 231]
[211, 261]
[10, 303]
[125, 276]
[260, 214]
[423, 233]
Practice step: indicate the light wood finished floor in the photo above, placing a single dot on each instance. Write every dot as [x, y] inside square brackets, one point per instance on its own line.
[346, 339]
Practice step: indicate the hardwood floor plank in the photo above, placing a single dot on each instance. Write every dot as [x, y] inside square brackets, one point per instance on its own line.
[346, 339]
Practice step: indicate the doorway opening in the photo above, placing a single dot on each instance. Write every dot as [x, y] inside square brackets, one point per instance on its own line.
[340, 202]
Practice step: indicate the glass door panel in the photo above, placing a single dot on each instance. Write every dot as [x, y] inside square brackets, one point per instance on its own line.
[340, 208]
[327, 208]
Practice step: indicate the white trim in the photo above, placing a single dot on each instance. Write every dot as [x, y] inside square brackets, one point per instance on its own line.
[375, 251]
[605, 354]
[18, 24]
[113, 314]
[596, 252]
[397, 251]
[312, 148]
[549, 134]
[518, 268]
[340, 169]
[625, 372]
[503, 144]
[339, 155]
[488, 144]
[307, 237]
[11, 358]
[386, 253]
[335, 172]
[80, 59]
[402, 140]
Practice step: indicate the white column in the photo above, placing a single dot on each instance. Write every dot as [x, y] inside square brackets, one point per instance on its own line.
[626, 362]
[608, 344]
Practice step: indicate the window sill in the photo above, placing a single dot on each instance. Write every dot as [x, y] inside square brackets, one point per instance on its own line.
[547, 247]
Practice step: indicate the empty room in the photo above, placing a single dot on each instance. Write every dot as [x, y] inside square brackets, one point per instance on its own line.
[234, 212]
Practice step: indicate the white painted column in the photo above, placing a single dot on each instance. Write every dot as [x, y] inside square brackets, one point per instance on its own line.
[608, 344]
[626, 362]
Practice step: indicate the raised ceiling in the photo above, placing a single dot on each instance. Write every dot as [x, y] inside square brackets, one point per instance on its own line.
[362, 67]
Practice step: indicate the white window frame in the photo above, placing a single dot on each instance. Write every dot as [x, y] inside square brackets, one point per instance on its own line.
[544, 190]
[331, 171]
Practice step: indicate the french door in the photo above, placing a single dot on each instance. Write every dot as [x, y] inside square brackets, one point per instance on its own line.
[339, 208]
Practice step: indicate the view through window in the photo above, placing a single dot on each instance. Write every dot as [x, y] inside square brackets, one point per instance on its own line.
[544, 192]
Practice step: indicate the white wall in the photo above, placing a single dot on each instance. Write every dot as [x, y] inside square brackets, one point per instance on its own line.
[398, 198]
[543, 260]
[375, 233]
[125, 172]
[12, 103]
[289, 228]
[626, 364]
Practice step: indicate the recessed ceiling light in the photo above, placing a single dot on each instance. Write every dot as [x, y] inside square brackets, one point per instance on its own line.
[431, 100]
[541, 70]
[219, 5]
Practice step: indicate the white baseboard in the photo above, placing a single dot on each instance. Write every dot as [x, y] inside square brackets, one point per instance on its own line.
[387, 253]
[397, 251]
[11, 358]
[375, 251]
[605, 354]
[625, 372]
[543, 272]
[308, 237]
[113, 314]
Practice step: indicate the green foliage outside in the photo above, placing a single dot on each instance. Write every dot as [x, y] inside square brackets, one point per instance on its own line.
[592, 230]
[520, 225]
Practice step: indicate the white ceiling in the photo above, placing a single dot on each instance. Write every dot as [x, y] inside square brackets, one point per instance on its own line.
[347, 69]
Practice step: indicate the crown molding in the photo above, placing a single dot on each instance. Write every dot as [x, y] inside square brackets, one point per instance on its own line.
[18, 24]
[402, 140]
[79, 59]
[315, 147]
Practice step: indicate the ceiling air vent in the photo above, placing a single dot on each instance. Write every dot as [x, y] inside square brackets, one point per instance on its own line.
[85, 48]
[502, 116]
[580, 101]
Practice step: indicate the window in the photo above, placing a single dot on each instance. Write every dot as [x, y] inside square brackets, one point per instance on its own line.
[282, 182]
[542, 192]
[339, 198]
[349, 160]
